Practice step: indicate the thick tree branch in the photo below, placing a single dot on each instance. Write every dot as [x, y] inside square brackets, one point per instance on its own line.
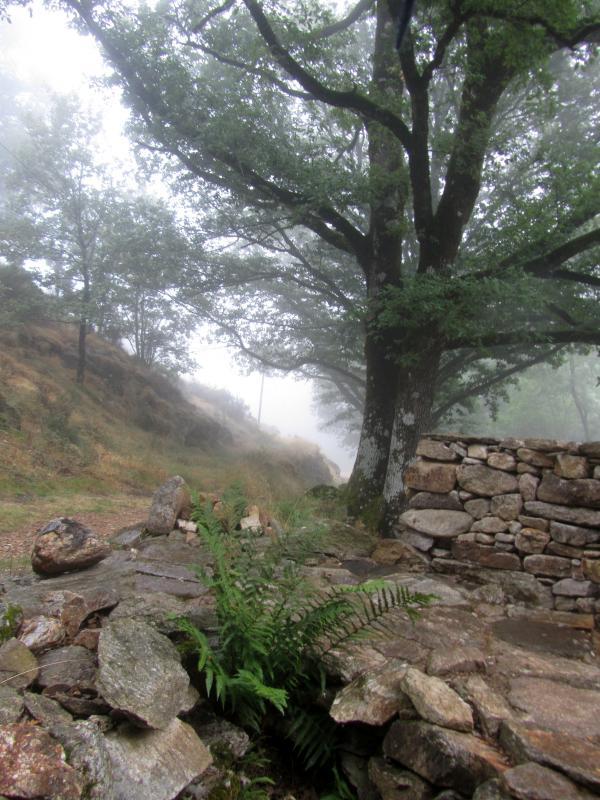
[341, 25]
[350, 100]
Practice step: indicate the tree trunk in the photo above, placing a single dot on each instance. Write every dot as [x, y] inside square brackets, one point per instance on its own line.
[81, 350]
[365, 490]
[83, 327]
[412, 418]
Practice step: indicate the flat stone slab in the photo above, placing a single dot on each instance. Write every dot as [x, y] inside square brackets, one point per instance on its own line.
[532, 781]
[556, 706]
[578, 758]
[155, 765]
[542, 636]
[140, 673]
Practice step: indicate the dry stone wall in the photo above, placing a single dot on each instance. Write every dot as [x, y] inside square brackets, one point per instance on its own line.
[522, 506]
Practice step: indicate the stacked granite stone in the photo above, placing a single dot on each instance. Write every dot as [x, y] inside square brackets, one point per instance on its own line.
[531, 506]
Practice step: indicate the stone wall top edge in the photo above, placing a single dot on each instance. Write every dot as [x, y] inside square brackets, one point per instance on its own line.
[513, 443]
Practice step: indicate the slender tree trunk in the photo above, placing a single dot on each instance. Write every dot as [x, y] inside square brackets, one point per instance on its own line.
[83, 330]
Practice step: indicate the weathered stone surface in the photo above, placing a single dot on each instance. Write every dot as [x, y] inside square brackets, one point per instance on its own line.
[478, 451]
[373, 698]
[214, 730]
[591, 449]
[88, 638]
[11, 705]
[534, 522]
[46, 711]
[440, 524]
[477, 508]
[42, 633]
[443, 757]
[18, 665]
[569, 587]
[396, 551]
[160, 610]
[436, 702]
[572, 534]
[393, 783]
[575, 516]
[33, 765]
[527, 469]
[449, 661]
[484, 538]
[64, 545]
[577, 758]
[66, 669]
[158, 764]
[518, 586]
[88, 754]
[170, 501]
[527, 663]
[129, 537]
[510, 443]
[555, 706]
[437, 451]
[490, 707]
[531, 781]
[569, 466]
[485, 480]
[531, 540]
[580, 492]
[528, 486]
[550, 445]
[428, 476]
[150, 691]
[486, 556]
[491, 790]
[507, 506]
[449, 501]
[490, 525]
[535, 458]
[550, 566]
[591, 569]
[504, 461]
[418, 540]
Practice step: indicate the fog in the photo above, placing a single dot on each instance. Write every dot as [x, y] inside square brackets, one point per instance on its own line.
[46, 55]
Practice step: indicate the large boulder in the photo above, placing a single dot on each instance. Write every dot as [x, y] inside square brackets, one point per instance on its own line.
[140, 673]
[64, 545]
[155, 765]
[169, 502]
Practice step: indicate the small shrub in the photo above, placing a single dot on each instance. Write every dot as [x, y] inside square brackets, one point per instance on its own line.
[10, 619]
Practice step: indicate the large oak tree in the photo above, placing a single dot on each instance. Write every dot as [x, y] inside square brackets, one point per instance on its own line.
[309, 129]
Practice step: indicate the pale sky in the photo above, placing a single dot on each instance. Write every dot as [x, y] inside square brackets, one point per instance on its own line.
[43, 50]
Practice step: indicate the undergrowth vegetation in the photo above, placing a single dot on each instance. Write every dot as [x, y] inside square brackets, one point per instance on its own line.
[277, 630]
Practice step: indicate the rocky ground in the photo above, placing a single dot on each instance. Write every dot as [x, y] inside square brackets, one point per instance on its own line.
[484, 697]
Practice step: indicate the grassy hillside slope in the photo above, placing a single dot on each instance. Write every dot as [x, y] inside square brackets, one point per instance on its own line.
[125, 430]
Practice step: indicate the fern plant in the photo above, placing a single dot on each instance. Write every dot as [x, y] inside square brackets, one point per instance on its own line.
[275, 629]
